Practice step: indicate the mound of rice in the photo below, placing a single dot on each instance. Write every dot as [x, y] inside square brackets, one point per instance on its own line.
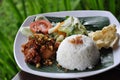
[77, 52]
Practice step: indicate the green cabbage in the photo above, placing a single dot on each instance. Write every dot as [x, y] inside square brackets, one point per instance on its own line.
[71, 26]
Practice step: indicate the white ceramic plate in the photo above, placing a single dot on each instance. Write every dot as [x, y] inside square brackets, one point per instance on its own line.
[20, 39]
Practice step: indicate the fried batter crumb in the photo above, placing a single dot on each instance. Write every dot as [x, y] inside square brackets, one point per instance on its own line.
[38, 65]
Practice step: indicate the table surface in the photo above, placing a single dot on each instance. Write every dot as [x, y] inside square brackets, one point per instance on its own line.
[113, 74]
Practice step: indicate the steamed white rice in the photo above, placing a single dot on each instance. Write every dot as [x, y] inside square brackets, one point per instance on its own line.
[77, 56]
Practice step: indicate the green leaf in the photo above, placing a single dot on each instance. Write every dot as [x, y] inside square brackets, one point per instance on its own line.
[95, 23]
[90, 4]
[30, 8]
[112, 6]
[105, 61]
[76, 5]
[15, 10]
[24, 9]
[101, 4]
[67, 4]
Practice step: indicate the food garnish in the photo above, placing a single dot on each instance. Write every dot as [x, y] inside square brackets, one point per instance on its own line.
[40, 26]
[76, 40]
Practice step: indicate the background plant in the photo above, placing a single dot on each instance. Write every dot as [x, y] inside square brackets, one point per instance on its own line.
[14, 12]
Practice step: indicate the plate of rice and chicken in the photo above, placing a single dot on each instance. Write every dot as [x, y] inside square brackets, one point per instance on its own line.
[68, 44]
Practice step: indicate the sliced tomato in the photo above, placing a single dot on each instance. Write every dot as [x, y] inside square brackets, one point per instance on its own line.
[40, 26]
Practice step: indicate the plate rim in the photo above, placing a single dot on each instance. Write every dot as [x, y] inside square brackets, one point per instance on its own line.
[64, 75]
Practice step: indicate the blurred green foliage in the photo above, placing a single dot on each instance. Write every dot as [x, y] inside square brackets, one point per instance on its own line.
[14, 12]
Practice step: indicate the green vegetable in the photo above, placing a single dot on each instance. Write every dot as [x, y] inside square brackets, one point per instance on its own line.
[95, 23]
[92, 23]
[71, 26]
[26, 31]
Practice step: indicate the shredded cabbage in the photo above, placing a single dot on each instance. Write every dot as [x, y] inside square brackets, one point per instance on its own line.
[26, 31]
[71, 26]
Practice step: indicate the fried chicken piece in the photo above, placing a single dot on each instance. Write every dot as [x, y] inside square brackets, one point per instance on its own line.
[46, 43]
[30, 52]
[41, 49]
[48, 47]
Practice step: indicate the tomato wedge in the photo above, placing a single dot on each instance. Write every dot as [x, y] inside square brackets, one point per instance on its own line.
[40, 26]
